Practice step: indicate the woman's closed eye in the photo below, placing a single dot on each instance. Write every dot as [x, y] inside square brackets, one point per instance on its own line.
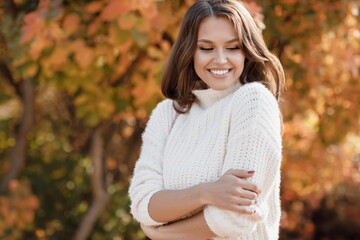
[205, 49]
[210, 49]
[233, 48]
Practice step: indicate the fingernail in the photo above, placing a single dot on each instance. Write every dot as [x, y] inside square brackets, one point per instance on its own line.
[252, 171]
[255, 201]
[254, 211]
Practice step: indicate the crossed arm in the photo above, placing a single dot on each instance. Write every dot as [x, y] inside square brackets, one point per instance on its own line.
[194, 227]
[169, 205]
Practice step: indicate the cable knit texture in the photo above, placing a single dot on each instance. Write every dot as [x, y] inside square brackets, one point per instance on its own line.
[235, 128]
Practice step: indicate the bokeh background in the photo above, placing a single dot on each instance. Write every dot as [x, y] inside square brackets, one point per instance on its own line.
[79, 80]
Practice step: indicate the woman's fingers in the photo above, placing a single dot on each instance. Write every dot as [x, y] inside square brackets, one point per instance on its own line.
[246, 193]
[248, 186]
[244, 201]
[240, 173]
[243, 210]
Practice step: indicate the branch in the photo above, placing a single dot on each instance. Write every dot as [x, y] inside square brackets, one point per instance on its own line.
[5, 71]
[101, 196]
[18, 152]
[10, 8]
[126, 76]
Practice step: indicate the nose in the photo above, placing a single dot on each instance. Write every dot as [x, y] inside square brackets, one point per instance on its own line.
[220, 57]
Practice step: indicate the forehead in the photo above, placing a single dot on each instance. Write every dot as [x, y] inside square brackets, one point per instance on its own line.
[217, 28]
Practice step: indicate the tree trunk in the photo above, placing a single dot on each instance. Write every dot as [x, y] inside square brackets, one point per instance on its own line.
[101, 197]
[10, 8]
[19, 150]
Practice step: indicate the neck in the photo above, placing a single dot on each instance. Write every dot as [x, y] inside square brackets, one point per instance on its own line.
[207, 97]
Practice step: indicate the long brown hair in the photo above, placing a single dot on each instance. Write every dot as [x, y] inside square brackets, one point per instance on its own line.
[180, 78]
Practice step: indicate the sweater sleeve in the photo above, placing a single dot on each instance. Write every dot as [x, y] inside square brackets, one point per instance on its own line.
[254, 143]
[147, 177]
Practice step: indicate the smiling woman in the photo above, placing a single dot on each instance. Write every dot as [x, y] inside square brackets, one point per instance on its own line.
[218, 60]
[215, 172]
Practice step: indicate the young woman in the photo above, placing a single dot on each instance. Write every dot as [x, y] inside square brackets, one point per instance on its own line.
[209, 166]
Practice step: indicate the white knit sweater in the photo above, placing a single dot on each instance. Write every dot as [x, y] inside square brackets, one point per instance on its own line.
[235, 128]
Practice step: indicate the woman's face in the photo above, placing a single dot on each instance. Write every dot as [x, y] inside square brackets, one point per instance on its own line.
[218, 59]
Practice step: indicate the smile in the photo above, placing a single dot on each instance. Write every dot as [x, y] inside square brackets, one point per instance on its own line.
[220, 72]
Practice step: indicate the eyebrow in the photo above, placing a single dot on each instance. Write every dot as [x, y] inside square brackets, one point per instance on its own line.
[208, 41]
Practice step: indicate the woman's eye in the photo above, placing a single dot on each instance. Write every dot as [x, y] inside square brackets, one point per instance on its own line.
[234, 48]
[206, 49]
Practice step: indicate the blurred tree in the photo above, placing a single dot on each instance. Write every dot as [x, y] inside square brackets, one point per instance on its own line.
[318, 44]
[95, 68]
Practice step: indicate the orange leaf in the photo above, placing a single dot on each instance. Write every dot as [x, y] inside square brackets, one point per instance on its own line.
[71, 23]
[93, 27]
[28, 216]
[58, 57]
[144, 90]
[114, 8]
[33, 202]
[148, 10]
[94, 7]
[32, 25]
[37, 46]
[123, 64]
[84, 57]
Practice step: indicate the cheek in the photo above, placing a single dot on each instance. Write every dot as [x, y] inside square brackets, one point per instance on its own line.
[200, 59]
[239, 61]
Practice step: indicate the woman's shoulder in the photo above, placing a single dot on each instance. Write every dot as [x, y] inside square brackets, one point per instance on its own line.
[163, 108]
[164, 105]
[256, 89]
[163, 113]
[254, 93]
[254, 101]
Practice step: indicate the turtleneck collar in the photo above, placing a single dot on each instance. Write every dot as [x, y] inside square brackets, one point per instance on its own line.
[207, 97]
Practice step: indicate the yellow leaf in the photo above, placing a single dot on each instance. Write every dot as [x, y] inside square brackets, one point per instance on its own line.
[80, 100]
[31, 70]
[59, 57]
[39, 44]
[123, 48]
[127, 21]
[105, 53]
[154, 52]
[144, 90]
[105, 109]
[18, 62]
[143, 25]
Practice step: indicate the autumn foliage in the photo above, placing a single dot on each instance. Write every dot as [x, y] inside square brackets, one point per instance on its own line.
[80, 78]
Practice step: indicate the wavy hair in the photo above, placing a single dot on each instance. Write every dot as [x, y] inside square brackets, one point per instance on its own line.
[179, 77]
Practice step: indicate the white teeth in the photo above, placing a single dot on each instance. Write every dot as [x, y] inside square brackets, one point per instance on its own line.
[219, 72]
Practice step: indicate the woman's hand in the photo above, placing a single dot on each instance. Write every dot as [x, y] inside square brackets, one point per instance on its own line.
[232, 192]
